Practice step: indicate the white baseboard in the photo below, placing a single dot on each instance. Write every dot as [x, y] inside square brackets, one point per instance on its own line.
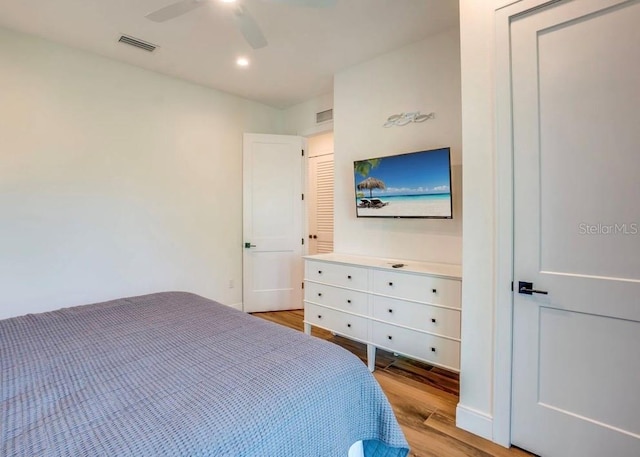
[474, 421]
[237, 306]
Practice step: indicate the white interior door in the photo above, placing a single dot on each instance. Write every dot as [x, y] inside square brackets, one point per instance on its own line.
[320, 184]
[576, 93]
[272, 222]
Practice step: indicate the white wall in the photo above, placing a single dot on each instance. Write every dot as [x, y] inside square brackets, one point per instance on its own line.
[300, 119]
[422, 77]
[476, 409]
[114, 180]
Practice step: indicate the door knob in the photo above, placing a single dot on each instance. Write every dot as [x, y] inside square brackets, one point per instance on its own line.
[249, 245]
[527, 289]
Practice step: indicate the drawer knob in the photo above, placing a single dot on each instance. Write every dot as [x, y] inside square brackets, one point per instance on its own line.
[349, 325]
[319, 294]
[348, 276]
[433, 319]
[390, 337]
[390, 310]
[390, 283]
[319, 316]
[348, 301]
[433, 349]
[319, 272]
[434, 290]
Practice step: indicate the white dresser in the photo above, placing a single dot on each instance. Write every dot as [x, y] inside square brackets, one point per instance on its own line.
[413, 310]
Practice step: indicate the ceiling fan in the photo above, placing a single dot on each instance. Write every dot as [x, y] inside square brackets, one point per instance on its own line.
[247, 25]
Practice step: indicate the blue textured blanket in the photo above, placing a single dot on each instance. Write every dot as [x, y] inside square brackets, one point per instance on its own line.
[174, 374]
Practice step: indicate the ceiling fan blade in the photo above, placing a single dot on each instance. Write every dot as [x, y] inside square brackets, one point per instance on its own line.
[174, 10]
[309, 3]
[249, 28]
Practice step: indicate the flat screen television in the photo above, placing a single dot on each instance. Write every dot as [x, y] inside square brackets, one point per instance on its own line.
[412, 185]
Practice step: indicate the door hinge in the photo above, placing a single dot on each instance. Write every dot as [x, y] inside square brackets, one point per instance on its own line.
[303, 285]
[511, 286]
[303, 153]
[303, 196]
[302, 240]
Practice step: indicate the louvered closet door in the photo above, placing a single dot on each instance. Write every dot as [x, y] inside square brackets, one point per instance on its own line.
[321, 204]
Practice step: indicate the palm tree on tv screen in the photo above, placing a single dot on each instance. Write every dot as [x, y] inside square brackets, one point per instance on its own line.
[363, 168]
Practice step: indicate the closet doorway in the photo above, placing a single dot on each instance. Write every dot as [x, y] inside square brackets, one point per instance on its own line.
[320, 193]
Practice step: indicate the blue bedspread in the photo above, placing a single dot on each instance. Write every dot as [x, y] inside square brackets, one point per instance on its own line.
[174, 374]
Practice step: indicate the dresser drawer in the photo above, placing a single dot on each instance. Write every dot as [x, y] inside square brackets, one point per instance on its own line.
[336, 321]
[427, 289]
[434, 349]
[344, 299]
[433, 319]
[337, 274]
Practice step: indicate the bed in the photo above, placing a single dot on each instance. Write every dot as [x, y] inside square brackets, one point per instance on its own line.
[175, 374]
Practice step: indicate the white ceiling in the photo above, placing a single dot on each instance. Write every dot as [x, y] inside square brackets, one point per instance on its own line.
[307, 46]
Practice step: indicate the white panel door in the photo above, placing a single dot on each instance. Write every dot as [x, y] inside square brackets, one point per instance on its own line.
[576, 95]
[272, 222]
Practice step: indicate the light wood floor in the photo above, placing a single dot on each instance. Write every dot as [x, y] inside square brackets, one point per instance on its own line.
[423, 397]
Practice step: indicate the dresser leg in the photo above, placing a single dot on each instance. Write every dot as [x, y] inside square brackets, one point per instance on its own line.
[307, 328]
[371, 357]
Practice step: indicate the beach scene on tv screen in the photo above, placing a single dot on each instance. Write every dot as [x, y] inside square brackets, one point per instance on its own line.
[408, 185]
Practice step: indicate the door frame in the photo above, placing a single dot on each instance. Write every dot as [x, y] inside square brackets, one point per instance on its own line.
[504, 217]
[308, 190]
[319, 130]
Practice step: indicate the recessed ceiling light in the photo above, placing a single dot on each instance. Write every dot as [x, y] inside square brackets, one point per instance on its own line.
[228, 1]
[242, 62]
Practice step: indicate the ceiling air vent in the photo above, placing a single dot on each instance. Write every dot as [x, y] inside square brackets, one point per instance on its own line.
[137, 43]
[324, 116]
